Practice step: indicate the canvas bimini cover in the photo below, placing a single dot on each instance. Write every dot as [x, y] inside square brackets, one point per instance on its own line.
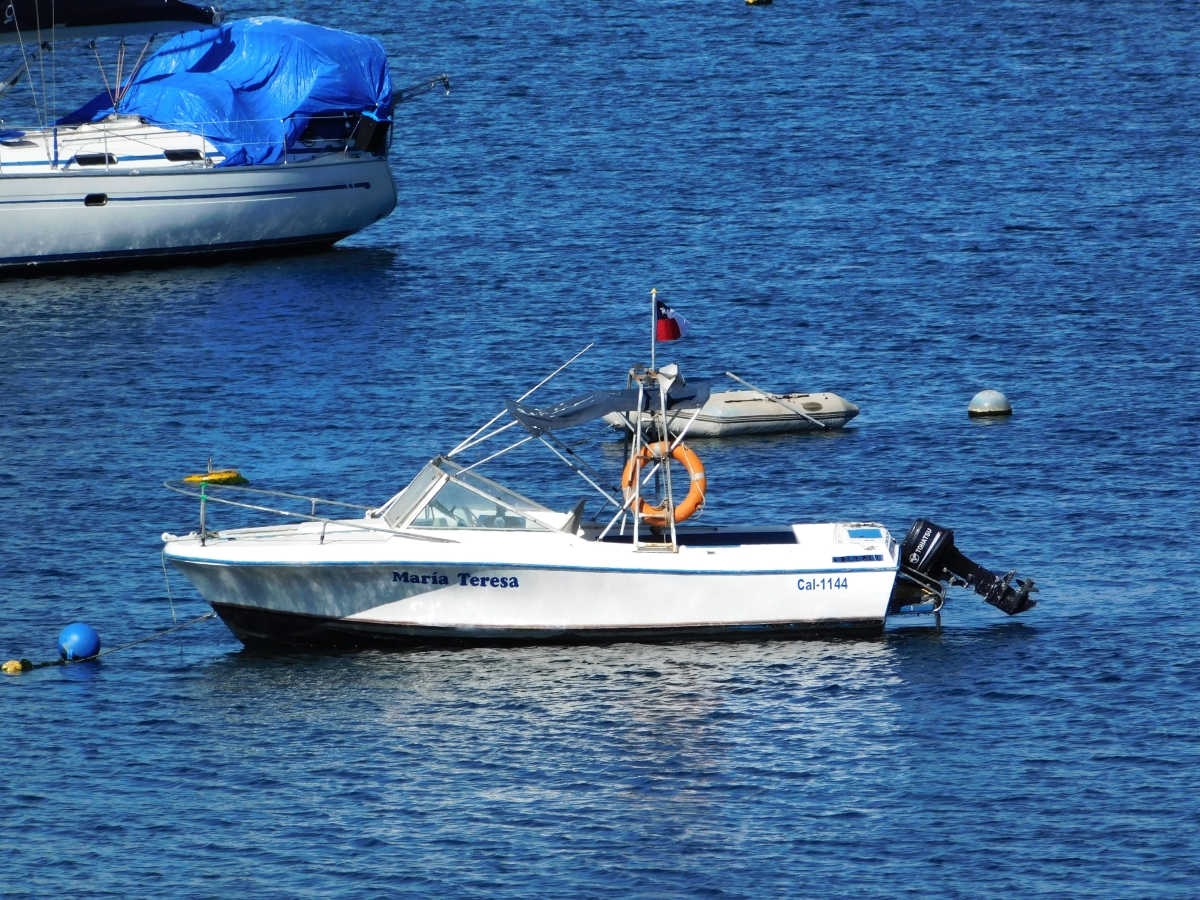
[253, 86]
[34, 21]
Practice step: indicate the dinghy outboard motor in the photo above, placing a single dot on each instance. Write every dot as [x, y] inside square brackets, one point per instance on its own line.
[928, 555]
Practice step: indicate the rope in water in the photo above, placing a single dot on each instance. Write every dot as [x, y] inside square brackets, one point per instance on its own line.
[64, 662]
[207, 615]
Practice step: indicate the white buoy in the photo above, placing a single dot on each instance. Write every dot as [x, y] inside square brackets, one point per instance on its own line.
[989, 403]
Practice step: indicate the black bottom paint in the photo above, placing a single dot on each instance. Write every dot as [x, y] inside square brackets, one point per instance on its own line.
[116, 260]
[262, 628]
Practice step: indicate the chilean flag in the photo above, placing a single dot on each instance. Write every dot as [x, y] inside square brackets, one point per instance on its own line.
[668, 324]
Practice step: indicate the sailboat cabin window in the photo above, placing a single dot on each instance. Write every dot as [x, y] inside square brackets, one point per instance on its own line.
[455, 506]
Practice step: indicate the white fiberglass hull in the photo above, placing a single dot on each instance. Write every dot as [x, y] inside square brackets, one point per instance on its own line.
[88, 215]
[549, 587]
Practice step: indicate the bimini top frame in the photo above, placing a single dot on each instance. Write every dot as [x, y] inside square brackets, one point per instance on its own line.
[663, 388]
[660, 390]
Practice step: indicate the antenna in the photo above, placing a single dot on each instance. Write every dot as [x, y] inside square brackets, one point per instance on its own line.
[653, 325]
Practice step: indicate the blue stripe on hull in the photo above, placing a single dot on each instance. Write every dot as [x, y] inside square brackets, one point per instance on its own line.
[520, 567]
[220, 195]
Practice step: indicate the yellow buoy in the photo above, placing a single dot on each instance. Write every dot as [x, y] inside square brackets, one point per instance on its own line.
[13, 666]
[758, 2]
[222, 476]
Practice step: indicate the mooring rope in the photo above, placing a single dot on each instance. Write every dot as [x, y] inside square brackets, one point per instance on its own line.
[63, 662]
[167, 579]
[207, 615]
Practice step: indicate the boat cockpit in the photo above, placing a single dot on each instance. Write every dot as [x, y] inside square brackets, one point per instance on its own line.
[446, 495]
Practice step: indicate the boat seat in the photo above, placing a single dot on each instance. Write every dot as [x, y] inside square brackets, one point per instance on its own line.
[574, 516]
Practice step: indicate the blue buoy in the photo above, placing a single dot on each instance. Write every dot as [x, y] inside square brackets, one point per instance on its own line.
[78, 641]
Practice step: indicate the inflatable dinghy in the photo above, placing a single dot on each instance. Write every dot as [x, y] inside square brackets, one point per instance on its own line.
[729, 413]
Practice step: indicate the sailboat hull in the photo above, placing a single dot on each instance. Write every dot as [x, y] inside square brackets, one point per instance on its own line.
[85, 217]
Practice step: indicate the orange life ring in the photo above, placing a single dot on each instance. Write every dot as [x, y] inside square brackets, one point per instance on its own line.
[698, 483]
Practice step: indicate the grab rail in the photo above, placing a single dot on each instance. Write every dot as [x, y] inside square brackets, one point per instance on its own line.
[204, 497]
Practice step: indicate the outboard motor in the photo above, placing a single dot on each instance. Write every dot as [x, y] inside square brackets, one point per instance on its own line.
[928, 556]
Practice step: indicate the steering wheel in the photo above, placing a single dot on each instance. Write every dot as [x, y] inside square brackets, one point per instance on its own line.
[470, 520]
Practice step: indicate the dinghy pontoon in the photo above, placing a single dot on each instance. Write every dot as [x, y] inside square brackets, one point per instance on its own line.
[753, 411]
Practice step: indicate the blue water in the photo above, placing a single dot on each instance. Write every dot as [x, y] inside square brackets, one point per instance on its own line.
[902, 203]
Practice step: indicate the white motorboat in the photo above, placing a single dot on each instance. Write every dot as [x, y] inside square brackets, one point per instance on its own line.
[458, 557]
[754, 411]
[203, 150]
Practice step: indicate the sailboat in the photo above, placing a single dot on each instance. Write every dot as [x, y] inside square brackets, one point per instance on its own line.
[263, 134]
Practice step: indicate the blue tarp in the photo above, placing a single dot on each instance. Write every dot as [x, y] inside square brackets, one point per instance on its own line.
[251, 87]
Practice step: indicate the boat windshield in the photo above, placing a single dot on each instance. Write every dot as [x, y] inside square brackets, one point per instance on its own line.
[457, 506]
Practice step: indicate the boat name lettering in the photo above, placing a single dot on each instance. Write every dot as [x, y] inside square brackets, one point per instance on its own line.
[466, 578]
[414, 578]
[822, 584]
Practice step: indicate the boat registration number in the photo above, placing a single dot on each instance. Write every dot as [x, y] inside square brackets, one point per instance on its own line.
[823, 584]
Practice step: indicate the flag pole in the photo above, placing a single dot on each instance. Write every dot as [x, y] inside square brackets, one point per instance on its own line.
[653, 325]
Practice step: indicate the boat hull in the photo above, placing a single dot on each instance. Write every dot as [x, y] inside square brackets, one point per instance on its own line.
[79, 217]
[463, 603]
[268, 628]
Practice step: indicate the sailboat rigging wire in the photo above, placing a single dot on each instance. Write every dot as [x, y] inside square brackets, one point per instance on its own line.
[32, 90]
[103, 74]
[120, 71]
[133, 72]
[496, 417]
[54, 69]
[37, 18]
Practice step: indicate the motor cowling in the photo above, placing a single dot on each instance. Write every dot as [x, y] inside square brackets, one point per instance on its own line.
[928, 552]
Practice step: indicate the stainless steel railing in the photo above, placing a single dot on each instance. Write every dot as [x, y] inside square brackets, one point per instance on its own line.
[203, 492]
